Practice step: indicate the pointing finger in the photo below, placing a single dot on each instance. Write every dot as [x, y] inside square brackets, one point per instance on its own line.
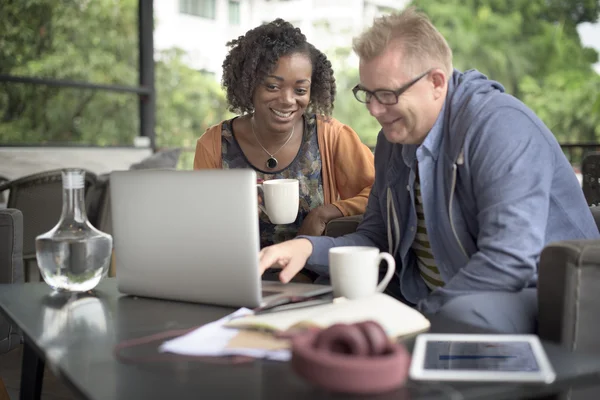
[267, 258]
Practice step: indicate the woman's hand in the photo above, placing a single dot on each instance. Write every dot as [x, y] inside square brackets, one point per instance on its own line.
[316, 220]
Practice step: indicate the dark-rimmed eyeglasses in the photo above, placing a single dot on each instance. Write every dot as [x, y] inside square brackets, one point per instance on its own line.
[385, 96]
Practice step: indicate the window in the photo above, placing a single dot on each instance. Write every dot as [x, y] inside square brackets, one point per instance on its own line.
[199, 8]
[234, 12]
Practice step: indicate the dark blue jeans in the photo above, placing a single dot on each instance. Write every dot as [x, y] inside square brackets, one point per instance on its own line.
[503, 312]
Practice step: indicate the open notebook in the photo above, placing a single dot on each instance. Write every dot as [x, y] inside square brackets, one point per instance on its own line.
[396, 318]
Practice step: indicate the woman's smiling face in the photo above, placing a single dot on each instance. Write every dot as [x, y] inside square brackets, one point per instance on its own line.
[281, 99]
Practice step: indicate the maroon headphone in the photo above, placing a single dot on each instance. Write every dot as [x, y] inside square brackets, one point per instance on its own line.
[357, 358]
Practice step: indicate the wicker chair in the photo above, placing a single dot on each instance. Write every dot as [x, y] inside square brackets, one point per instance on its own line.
[3, 179]
[11, 271]
[39, 197]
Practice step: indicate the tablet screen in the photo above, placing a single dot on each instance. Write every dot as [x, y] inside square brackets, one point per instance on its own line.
[480, 356]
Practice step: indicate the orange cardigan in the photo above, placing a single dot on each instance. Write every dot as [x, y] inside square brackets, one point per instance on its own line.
[347, 169]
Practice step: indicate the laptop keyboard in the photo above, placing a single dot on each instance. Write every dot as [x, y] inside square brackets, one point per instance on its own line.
[266, 293]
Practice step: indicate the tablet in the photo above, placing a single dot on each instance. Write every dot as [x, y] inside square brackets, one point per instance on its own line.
[479, 357]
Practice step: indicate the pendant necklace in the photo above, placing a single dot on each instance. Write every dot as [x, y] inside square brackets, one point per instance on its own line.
[271, 161]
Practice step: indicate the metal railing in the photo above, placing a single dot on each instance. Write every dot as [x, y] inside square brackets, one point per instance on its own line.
[576, 152]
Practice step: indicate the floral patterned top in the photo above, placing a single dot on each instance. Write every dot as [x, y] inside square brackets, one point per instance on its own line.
[306, 167]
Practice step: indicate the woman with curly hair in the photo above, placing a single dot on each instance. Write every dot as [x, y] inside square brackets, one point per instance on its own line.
[283, 89]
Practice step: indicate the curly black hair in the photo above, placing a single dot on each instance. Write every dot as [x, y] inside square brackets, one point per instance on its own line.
[254, 55]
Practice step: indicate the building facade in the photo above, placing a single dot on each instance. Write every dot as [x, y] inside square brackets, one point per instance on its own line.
[203, 27]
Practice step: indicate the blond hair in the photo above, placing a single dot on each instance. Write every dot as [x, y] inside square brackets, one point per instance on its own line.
[422, 45]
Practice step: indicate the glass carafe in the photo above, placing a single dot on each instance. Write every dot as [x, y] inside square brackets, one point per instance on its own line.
[73, 256]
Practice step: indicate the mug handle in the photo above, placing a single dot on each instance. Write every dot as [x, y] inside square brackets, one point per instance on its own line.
[391, 267]
[262, 208]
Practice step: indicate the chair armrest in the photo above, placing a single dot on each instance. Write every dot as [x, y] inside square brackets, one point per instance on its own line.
[569, 295]
[11, 268]
[11, 246]
[342, 226]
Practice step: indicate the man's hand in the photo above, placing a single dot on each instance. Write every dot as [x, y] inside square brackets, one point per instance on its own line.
[316, 220]
[290, 255]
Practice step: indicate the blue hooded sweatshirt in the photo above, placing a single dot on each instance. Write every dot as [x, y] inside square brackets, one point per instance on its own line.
[496, 188]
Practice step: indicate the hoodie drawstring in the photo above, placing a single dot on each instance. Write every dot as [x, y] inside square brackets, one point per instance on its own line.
[459, 161]
[393, 237]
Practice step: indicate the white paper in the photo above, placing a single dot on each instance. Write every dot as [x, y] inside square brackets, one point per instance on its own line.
[212, 338]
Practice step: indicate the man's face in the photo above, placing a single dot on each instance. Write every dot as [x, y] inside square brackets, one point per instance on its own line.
[412, 117]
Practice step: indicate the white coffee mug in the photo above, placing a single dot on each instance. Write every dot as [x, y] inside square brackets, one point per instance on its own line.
[281, 200]
[354, 271]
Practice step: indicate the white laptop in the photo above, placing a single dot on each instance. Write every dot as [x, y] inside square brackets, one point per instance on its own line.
[191, 236]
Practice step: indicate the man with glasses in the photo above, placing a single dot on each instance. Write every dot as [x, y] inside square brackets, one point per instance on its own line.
[470, 185]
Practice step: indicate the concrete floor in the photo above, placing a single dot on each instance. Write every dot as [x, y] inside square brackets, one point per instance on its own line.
[10, 372]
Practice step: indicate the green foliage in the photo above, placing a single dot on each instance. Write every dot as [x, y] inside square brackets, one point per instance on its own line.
[481, 38]
[93, 41]
[187, 102]
[16, 31]
[347, 109]
[352, 113]
[573, 114]
[530, 46]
